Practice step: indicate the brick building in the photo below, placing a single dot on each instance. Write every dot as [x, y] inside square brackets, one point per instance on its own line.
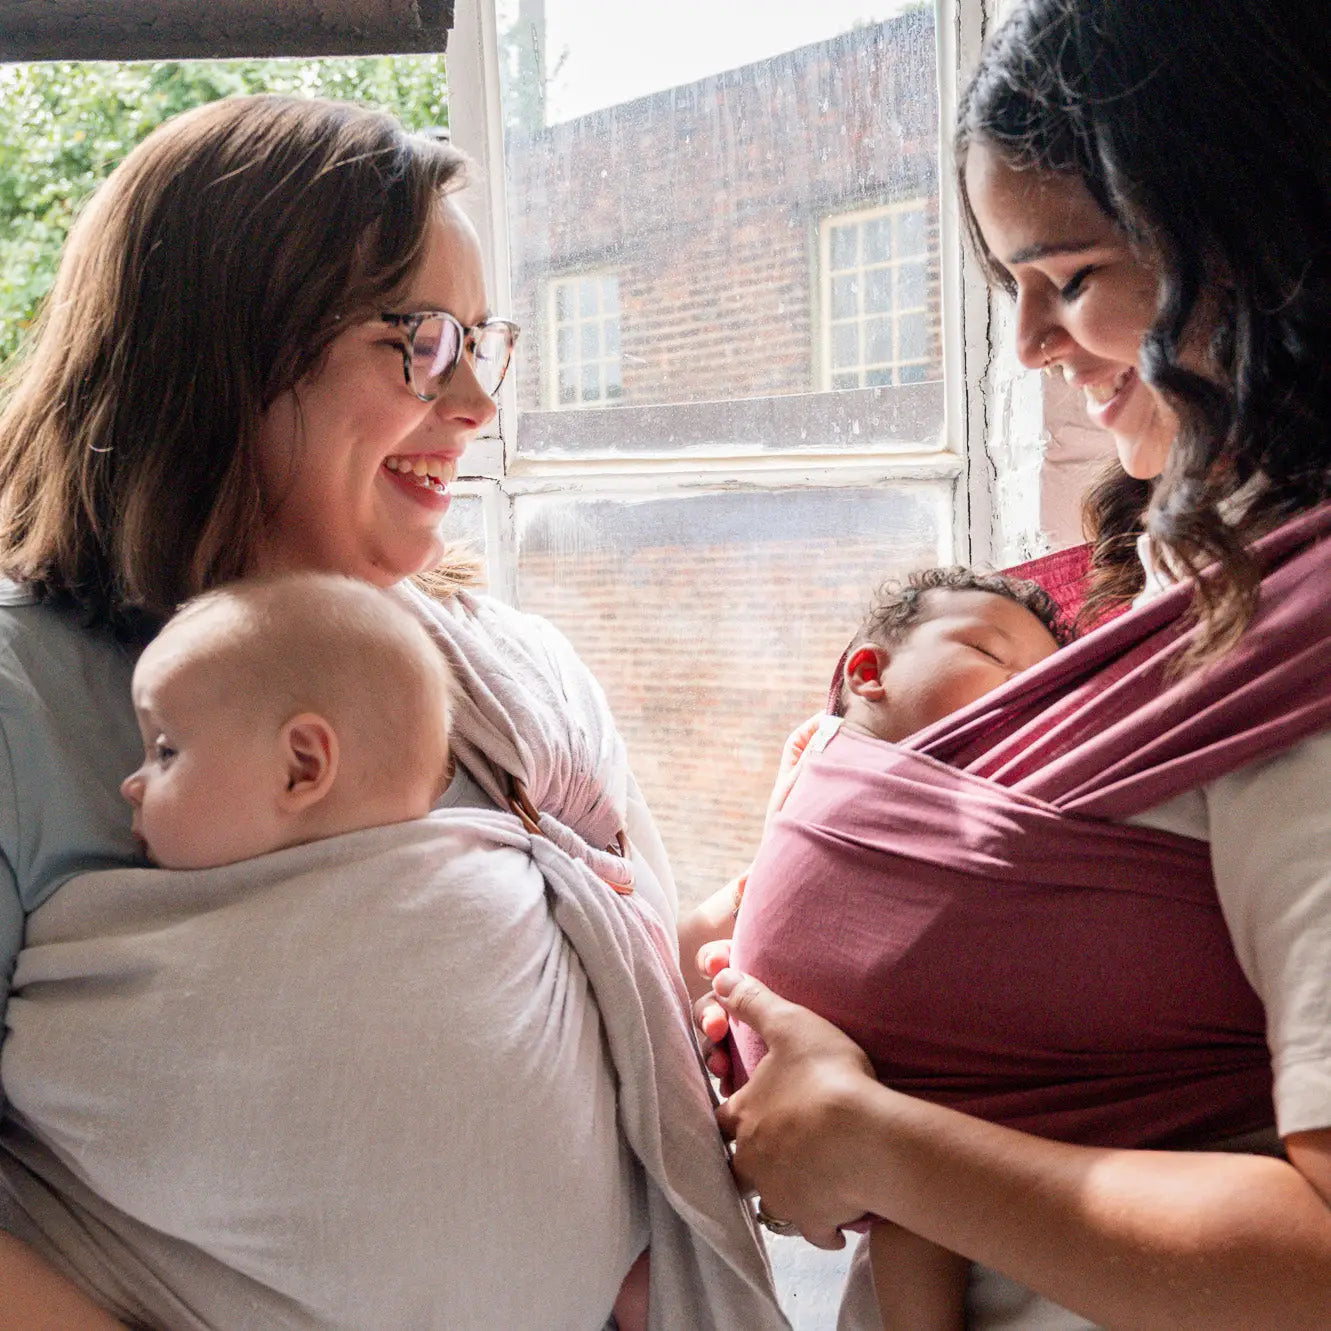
[768, 230]
[748, 262]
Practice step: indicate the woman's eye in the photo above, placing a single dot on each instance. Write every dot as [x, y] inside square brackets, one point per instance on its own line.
[1074, 287]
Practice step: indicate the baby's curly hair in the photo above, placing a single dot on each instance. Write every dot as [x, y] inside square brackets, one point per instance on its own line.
[898, 604]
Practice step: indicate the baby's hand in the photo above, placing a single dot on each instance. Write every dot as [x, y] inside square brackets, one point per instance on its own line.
[788, 768]
[710, 1017]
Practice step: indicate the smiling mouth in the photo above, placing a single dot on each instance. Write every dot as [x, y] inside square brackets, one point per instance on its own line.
[431, 474]
[1102, 394]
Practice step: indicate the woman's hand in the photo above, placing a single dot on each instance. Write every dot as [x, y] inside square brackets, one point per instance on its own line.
[797, 1121]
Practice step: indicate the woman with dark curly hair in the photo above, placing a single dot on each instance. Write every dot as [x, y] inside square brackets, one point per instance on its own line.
[1150, 180]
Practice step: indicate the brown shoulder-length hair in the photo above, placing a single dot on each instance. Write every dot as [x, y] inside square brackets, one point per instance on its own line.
[206, 276]
[1200, 128]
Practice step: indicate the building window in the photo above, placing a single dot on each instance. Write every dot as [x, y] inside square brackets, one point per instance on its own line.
[584, 320]
[875, 293]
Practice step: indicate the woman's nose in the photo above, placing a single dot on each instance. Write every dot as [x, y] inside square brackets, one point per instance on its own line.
[465, 399]
[1039, 337]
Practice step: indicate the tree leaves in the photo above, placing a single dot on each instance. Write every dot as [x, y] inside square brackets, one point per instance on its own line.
[63, 126]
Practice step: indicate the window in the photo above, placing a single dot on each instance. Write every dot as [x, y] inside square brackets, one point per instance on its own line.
[584, 357]
[879, 322]
[682, 485]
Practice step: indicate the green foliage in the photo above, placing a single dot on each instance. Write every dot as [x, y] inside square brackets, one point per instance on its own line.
[64, 126]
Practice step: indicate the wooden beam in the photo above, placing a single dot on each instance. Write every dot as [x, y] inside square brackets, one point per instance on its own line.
[213, 29]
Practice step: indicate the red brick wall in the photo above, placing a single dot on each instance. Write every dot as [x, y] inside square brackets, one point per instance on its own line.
[705, 201]
[710, 651]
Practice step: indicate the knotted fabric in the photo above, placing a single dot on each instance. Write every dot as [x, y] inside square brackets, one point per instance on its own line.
[969, 906]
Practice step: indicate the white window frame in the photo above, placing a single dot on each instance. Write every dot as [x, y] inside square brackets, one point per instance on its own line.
[550, 359]
[992, 426]
[828, 322]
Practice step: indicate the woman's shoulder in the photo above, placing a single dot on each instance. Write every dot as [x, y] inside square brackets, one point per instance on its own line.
[48, 649]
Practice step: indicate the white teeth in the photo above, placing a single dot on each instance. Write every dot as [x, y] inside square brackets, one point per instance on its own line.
[429, 473]
[1102, 393]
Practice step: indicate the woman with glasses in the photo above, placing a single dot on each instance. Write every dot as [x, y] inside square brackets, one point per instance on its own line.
[1150, 182]
[267, 348]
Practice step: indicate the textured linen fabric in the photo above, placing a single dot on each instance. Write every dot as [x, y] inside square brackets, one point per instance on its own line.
[529, 710]
[227, 1112]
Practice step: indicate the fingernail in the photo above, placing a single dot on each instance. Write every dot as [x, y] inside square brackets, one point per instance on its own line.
[724, 982]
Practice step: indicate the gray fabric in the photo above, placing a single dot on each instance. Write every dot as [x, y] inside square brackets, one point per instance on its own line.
[398, 1078]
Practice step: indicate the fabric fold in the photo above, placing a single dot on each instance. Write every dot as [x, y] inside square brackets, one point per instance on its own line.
[969, 906]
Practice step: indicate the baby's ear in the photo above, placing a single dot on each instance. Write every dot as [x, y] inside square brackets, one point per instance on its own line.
[866, 664]
[309, 750]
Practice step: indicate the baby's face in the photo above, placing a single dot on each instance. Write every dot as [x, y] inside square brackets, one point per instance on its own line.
[964, 645]
[200, 797]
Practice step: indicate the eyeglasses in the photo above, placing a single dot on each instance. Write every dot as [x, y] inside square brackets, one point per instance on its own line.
[435, 343]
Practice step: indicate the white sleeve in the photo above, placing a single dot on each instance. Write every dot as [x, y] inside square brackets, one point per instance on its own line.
[1270, 829]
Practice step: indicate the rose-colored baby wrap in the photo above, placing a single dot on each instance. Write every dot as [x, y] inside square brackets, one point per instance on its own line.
[968, 906]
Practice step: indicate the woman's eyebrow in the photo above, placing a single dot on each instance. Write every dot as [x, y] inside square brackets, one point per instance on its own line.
[1044, 249]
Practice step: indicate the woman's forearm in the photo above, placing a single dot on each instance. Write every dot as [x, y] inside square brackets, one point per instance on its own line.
[1131, 1239]
[1126, 1238]
[34, 1297]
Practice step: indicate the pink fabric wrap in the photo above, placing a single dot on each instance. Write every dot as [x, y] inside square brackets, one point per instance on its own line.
[968, 908]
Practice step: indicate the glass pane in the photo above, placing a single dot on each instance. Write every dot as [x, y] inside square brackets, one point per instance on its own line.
[877, 240]
[878, 378]
[688, 186]
[612, 337]
[912, 284]
[841, 246]
[591, 383]
[845, 381]
[877, 341]
[912, 335]
[591, 341]
[565, 345]
[846, 345]
[912, 374]
[714, 623]
[563, 301]
[878, 291]
[910, 232]
[845, 297]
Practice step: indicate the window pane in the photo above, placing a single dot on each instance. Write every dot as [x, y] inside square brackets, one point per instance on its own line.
[842, 247]
[565, 344]
[910, 234]
[845, 297]
[912, 284]
[846, 345]
[877, 341]
[591, 341]
[913, 332]
[878, 291]
[701, 175]
[591, 383]
[714, 623]
[877, 240]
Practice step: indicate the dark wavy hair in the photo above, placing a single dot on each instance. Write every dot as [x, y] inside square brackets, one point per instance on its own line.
[205, 277]
[1200, 127]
